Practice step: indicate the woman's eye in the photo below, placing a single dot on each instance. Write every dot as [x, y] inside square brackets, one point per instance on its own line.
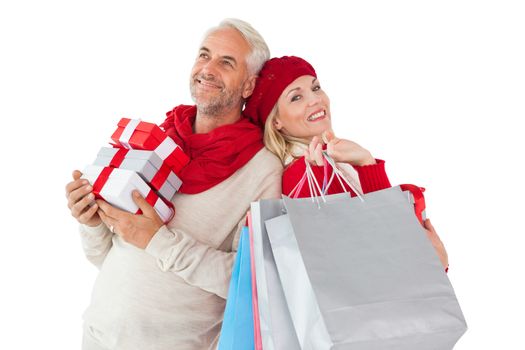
[296, 98]
[316, 88]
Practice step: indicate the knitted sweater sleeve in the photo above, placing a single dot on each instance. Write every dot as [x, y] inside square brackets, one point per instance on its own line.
[96, 242]
[372, 178]
[197, 263]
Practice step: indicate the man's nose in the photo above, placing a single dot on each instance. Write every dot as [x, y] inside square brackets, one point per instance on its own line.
[209, 68]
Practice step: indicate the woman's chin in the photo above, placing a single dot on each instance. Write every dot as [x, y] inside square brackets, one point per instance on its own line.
[319, 133]
[323, 127]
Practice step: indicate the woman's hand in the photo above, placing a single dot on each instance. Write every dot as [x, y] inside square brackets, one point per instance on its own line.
[436, 243]
[347, 151]
[314, 153]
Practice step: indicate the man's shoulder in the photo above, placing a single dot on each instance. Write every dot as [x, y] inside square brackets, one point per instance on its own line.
[263, 174]
[266, 160]
[262, 165]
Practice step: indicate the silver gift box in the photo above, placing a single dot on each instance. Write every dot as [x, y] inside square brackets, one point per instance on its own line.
[146, 164]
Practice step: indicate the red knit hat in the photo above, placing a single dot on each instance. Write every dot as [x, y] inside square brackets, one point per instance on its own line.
[274, 77]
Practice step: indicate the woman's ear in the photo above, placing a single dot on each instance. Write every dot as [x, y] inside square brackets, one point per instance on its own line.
[277, 123]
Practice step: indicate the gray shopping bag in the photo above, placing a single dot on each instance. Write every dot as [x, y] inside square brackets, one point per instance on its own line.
[363, 275]
[277, 330]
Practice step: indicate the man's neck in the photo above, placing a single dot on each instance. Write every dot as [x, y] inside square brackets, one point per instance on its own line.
[206, 123]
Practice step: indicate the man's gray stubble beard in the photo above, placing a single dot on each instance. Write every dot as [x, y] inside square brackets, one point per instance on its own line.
[214, 108]
[217, 107]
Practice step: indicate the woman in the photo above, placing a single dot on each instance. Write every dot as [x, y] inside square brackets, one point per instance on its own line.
[294, 111]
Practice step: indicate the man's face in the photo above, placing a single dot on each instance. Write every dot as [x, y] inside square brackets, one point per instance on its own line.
[219, 77]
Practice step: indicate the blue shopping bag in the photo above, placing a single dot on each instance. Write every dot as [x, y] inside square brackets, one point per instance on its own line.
[237, 327]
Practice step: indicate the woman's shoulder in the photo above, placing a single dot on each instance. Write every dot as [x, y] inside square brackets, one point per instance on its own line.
[295, 165]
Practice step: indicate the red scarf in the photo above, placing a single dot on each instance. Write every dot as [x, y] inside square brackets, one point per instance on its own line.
[214, 156]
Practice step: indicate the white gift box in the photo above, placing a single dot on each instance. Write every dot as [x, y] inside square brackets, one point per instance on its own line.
[147, 164]
[115, 186]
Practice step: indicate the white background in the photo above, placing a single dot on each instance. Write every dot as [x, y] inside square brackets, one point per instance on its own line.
[435, 88]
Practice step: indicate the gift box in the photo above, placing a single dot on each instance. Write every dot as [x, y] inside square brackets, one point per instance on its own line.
[146, 163]
[137, 134]
[115, 186]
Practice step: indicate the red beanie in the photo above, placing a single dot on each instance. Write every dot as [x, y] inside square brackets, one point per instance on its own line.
[274, 77]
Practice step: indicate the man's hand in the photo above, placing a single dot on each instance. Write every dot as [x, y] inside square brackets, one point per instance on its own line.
[133, 228]
[436, 243]
[79, 197]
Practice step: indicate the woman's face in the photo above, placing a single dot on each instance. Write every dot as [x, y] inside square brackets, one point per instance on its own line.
[304, 109]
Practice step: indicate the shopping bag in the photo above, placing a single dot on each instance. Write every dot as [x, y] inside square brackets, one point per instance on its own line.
[277, 331]
[237, 326]
[255, 302]
[361, 274]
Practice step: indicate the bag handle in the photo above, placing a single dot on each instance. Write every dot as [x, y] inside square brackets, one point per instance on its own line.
[339, 174]
[419, 199]
[313, 185]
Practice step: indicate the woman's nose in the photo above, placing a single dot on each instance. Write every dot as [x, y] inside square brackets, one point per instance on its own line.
[314, 99]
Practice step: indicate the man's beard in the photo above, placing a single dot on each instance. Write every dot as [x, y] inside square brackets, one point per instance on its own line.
[217, 105]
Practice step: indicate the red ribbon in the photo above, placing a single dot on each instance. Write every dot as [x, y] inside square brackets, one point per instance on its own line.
[161, 176]
[118, 158]
[151, 198]
[101, 181]
[177, 159]
[419, 199]
[158, 179]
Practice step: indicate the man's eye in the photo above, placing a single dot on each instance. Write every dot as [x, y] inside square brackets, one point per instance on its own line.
[227, 63]
[203, 55]
[296, 98]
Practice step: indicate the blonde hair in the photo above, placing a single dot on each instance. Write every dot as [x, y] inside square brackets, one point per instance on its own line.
[283, 146]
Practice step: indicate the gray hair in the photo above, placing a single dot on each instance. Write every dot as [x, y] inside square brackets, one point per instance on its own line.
[260, 52]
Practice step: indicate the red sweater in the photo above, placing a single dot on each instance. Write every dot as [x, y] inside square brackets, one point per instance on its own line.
[372, 178]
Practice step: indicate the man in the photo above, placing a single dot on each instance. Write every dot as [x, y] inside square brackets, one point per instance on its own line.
[164, 286]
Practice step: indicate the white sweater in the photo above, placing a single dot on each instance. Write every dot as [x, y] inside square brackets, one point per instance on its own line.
[172, 294]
